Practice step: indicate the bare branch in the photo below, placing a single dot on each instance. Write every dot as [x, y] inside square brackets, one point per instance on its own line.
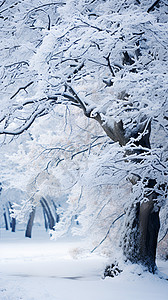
[162, 238]
[44, 5]
[22, 88]
[11, 6]
[2, 3]
[85, 150]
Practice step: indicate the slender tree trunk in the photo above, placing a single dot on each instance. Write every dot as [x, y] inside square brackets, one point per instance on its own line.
[6, 221]
[57, 218]
[13, 224]
[12, 221]
[51, 221]
[45, 219]
[30, 223]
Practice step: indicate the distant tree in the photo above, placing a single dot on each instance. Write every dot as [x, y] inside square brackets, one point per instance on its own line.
[28, 232]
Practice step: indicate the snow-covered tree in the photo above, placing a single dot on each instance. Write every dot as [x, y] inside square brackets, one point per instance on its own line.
[109, 59]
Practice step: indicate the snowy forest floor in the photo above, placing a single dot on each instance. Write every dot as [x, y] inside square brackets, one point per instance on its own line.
[41, 269]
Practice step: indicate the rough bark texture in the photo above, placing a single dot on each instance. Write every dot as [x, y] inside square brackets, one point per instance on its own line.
[141, 233]
[149, 225]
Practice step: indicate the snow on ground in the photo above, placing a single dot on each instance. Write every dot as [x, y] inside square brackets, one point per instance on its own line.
[40, 269]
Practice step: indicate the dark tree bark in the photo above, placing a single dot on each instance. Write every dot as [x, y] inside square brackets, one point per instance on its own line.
[141, 233]
[30, 223]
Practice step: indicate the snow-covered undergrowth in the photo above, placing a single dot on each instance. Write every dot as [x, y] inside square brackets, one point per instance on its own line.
[41, 269]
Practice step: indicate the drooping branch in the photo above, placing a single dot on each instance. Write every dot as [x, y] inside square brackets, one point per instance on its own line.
[119, 217]
[26, 125]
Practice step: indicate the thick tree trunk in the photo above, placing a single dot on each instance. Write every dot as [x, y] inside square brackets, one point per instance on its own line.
[30, 223]
[149, 225]
[141, 233]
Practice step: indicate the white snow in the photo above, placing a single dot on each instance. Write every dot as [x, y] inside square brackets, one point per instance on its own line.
[41, 269]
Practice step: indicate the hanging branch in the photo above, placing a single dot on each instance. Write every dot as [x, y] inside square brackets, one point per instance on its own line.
[108, 232]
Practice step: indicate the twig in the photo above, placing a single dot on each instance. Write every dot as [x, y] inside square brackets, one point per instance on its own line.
[43, 5]
[2, 3]
[22, 88]
[108, 232]
[49, 23]
[163, 236]
[84, 150]
[11, 6]
[109, 65]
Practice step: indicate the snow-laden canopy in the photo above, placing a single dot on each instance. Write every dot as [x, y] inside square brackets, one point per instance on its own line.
[108, 59]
